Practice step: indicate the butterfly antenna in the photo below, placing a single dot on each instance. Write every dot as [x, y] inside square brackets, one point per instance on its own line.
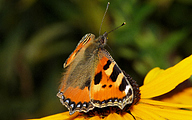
[104, 17]
[106, 33]
[116, 28]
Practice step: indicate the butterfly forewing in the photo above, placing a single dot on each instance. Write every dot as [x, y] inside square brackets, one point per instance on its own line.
[85, 39]
[74, 90]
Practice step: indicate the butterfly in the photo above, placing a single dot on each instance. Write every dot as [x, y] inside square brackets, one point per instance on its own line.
[93, 79]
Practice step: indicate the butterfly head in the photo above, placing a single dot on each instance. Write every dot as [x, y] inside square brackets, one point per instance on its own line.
[102, 39]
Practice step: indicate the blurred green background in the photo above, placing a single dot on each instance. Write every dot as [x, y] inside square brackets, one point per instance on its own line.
[37, 36]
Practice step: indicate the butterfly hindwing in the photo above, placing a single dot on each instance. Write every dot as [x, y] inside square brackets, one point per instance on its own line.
[110, 86]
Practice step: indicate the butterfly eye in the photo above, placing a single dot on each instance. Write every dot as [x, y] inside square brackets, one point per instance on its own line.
[103, 40]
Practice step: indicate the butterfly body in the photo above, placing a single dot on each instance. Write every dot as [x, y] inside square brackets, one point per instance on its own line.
[93, 79]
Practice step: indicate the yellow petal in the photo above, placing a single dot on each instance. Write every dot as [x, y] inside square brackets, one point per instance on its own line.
[152, 74]
[165, 81]
[184, 97]
[59, 116]
[141, 113]
[114, 116]
[79, 118]
[151, 111]
[127, 116]
[164, 104]
[95, 118]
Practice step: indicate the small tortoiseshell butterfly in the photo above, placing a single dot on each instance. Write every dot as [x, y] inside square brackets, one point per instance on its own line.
[93, 79]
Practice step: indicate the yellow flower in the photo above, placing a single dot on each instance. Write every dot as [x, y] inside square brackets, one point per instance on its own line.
[156, 83]
[182, 97]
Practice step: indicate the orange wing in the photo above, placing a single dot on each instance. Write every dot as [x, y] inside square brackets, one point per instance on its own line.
[110, 86]
[75, 84]
[76, 99]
